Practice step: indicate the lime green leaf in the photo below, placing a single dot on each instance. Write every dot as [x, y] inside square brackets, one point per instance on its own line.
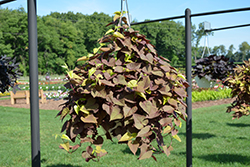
[84, 58]
[70, 74]
[116, 17]
[95, 50]
[109, 31]
[90, 55]
[65, 66]
[99, 149]
[142, 95]
[177, 137]
[148, 91]
[98, 76]
[84, 110]
[132, 83]
[64, 113]
[92, 71]
[165, 99]
[178, 112]
[117, 12]
[181, 76]
[127, 136]
[84, 82]
[118, 35]
[77, 109]
[111, 72]
[167, 129]
[65, 137]
[65, 146]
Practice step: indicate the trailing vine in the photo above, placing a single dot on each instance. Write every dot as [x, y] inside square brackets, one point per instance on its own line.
[130, 91]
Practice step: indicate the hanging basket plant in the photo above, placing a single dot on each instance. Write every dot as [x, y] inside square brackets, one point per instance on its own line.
[8, 74]
[212, 68]
[128, 90]
[240, 85]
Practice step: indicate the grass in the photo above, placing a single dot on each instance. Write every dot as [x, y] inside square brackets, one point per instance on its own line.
[217, 141]
[5, 98]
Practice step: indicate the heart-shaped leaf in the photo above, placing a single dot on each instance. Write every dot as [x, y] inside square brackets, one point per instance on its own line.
[116, 113]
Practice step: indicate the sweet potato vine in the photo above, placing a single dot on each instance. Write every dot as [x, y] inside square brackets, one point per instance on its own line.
[127, 89]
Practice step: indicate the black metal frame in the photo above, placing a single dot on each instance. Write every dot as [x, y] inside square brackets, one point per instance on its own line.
[230, 27]
[5, 1]
[188, 47]
[33, 63]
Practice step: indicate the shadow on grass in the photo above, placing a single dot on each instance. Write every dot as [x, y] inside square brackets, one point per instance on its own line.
[227, 158]
[128, 151]
[202, 136]
[238, 125]
[62, 165]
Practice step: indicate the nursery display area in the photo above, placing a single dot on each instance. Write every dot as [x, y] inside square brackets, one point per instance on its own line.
[125, 105]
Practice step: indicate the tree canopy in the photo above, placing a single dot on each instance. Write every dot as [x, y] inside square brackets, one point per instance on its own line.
[65, 37]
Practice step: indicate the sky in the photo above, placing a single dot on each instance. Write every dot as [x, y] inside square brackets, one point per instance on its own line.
[156, 9]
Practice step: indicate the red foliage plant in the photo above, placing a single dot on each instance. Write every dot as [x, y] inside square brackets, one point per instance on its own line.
[129, 91]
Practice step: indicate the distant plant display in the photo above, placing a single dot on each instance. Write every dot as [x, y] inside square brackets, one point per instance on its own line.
[213, 67]
[9, 72]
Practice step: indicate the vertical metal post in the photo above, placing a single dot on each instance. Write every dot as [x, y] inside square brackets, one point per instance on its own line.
[189, 89]
[34, 99]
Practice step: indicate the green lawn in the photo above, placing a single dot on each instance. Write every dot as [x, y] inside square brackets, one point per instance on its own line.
[217, 141]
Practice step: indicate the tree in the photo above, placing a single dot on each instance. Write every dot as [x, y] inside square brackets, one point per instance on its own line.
[219, 50]
[15, 34]
[230, 54]
[244, 48]
[198, 34]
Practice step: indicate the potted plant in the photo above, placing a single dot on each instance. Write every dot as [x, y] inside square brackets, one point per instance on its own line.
[207, 70]
[239, 82]
[126, 88]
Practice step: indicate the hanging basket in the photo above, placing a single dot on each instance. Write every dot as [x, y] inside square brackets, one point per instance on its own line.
[204, 82]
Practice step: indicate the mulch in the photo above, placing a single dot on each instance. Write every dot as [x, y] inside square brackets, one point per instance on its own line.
[54, 104]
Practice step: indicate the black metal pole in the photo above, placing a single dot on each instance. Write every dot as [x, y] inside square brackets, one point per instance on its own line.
[158, 20]
[189, 89]
[225, 28]
[34, 99]
[220, 12]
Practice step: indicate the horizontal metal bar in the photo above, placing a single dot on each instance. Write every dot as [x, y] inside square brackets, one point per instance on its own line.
[194, 15]
[220, 12]
[5, 1]
[157, 20]
[224, 28]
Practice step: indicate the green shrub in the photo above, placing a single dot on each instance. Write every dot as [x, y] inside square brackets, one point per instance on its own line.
[210, 94]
